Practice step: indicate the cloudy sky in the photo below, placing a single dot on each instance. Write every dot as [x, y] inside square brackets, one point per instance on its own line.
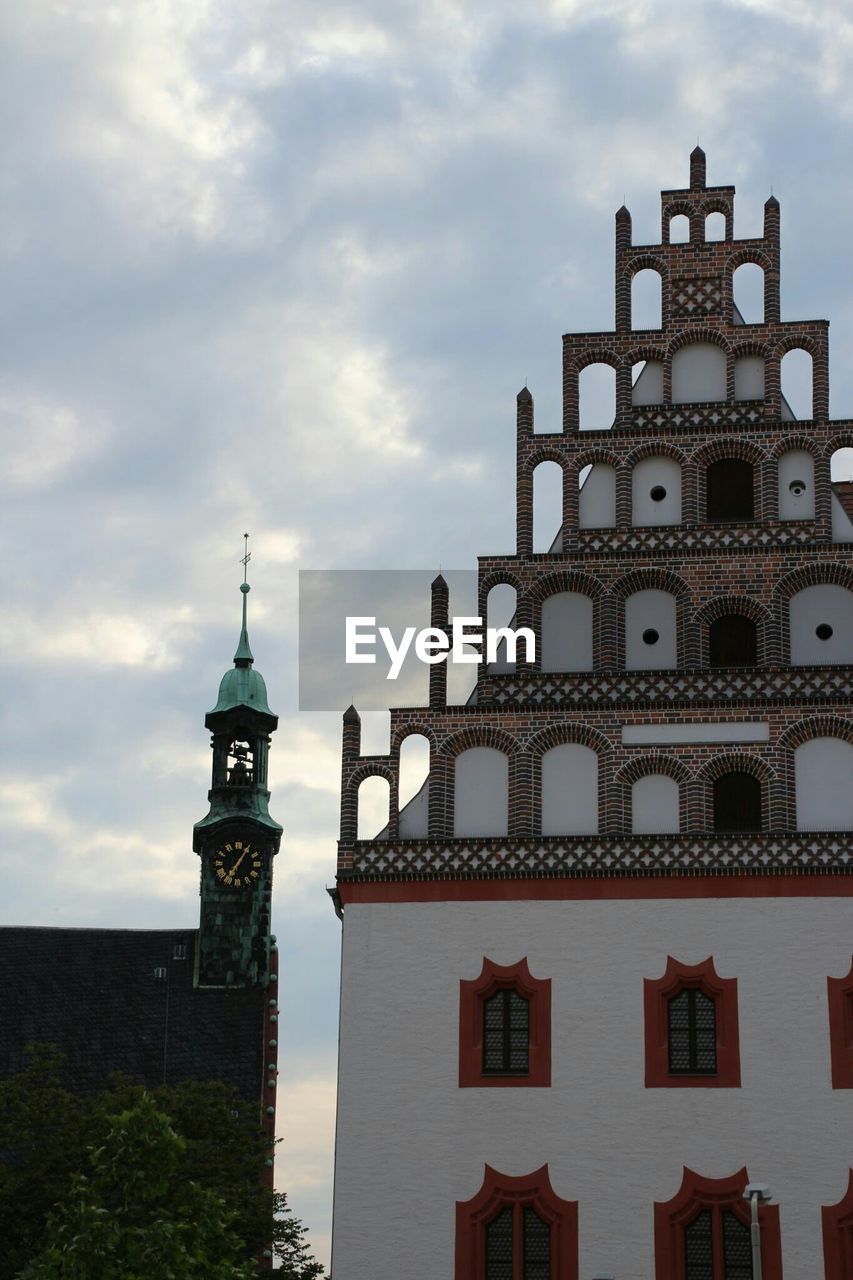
[282, 266]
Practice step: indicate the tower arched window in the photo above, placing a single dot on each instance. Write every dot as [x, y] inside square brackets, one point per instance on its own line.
[737, 802]
[730, 490]
[732, 641]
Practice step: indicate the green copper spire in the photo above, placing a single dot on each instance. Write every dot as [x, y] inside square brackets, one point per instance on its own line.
[243, 686]
[243, 657]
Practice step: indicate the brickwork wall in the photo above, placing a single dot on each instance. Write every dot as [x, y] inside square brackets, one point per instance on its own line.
[749, 567]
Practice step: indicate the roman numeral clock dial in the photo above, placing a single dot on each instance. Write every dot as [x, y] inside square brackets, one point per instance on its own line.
[237, 864]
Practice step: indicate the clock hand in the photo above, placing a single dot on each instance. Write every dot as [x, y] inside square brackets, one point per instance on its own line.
[237, 863]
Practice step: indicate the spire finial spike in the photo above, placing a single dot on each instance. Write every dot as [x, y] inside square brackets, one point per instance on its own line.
[243, 657]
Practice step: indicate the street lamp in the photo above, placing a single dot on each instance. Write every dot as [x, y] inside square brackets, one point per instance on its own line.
[756, 1193]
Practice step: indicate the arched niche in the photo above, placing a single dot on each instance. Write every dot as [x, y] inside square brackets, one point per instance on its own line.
[730, 490]
[737, 802]
[823, 772]
[715, 226]
[647, 382]
[373, 807]
[597, 498]
[698, 373]
[732, 641]
[646, 289]
[569, 791]
[796, 485]
[797, 385]
[748, 294]
[597, 397]
[654, 805]
[656, 491]
[650, 631]
[821, 626]
[414, 787]
[841, 470]
[566, 632]
[547, 507]
[679, 229]
[481, 793]
[749, 378]
[501, 604]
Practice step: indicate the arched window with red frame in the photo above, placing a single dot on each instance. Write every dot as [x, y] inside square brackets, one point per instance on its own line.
[691, 1028]
[504, 1027]
[516, 1229]
[838, 1236]
[702, 1233]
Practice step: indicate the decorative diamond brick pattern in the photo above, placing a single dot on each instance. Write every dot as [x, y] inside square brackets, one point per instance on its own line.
[743, 415]
[697, 298]
[667, 688]
[678, 538]
[491, 857]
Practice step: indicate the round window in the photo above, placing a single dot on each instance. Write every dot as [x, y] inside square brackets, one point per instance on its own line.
[650, 636]
[823, 631]
[658, 493]
[796, 487]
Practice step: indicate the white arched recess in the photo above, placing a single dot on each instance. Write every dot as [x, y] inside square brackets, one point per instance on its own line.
[481, 793]
[414, 787]
[656, 492]
[647, 382]
[373, 802]
[650, 631]
[698, 373]
[821, 620]
[569, 791]
[823, 771]
[597, 500]
[654, 805]
[749, 378]
[566, 640]
[796, 485]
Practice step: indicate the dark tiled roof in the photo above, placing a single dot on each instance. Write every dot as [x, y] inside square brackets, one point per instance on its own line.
[93, 993]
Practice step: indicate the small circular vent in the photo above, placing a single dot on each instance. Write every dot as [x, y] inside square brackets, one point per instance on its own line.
[823, 631]
[650, 636]
[658, 493]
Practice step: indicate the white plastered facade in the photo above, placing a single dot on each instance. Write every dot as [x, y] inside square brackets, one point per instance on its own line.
[411, 1143]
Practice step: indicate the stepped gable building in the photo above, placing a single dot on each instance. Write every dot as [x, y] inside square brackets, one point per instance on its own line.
[597, 975]
[167, 1005]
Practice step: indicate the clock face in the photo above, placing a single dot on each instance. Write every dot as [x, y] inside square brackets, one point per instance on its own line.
[237, 864]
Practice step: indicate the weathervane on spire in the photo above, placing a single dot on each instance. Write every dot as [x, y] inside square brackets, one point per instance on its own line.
[243, 656]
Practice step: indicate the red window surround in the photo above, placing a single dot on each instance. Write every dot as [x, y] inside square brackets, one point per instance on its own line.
[723, 991]
[498, 1191]
[473, 994]
[715, 1194]
[838, 1236]
[840, 992]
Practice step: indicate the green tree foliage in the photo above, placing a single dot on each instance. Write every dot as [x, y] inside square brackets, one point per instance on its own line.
[133, 1217]
[203, 1166]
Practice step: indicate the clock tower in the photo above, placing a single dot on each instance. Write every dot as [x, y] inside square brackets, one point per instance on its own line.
[238, 838]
